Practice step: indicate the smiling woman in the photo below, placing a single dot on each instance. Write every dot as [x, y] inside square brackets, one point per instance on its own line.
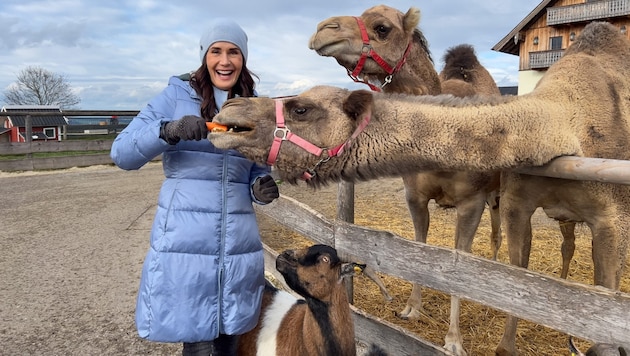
[205, 242]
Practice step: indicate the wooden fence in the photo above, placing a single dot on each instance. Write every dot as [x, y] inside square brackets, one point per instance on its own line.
[29, 163]
[584, 311]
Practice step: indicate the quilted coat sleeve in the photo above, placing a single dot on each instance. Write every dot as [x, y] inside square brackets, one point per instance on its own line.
[257, 171]
[140, 141]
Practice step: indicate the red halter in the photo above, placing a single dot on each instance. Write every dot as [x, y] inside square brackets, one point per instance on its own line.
[282, 133]
[368, 51]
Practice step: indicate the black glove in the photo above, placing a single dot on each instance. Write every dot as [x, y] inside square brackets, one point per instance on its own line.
[265, 189]
[189, 127]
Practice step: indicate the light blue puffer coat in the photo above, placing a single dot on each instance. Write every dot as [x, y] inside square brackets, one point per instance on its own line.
[204, 272]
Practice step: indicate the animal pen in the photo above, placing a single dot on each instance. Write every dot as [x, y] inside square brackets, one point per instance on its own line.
[583, 311]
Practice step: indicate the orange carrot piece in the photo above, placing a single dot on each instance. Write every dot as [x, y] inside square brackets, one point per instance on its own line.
[214, 127]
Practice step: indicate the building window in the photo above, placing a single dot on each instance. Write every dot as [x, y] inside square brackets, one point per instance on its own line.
[555, 42]
[49, 132]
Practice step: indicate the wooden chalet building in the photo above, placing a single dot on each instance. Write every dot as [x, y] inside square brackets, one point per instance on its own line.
[48, 127]
[541, 38]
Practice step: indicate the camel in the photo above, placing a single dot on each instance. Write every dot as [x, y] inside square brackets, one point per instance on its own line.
[581, 107]
[396, 38]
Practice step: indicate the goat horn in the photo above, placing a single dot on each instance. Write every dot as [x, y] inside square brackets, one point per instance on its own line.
[574, 350]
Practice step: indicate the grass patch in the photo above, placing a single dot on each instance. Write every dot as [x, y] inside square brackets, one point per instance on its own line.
[51, 154]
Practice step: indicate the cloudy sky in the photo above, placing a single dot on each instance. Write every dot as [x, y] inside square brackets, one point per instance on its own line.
[118, 54]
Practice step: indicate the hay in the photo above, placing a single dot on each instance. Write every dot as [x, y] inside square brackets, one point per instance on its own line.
[381, 205]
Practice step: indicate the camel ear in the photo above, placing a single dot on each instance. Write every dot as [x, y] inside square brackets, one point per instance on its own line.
[358, 103]
[411, 20]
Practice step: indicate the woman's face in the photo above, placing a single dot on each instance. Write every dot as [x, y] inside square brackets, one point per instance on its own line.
[225, 62]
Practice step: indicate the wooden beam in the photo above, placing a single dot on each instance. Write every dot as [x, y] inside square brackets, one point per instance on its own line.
[583, 168]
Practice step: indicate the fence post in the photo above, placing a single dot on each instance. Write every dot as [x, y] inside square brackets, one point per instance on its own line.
[28, 135]
[345, 212]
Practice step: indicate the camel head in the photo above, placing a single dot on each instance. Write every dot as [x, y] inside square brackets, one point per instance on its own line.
[325, 117]
[390, 32]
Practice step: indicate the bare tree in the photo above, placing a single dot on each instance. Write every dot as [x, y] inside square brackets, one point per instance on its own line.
[38, 86]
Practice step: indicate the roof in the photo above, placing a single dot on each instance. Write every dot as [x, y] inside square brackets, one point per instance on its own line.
[509, 43]
[511, 90]
[54, 119]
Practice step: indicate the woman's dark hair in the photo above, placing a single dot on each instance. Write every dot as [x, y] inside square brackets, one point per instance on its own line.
[200, 81]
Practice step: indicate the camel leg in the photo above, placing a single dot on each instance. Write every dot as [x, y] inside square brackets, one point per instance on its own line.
[507, 347]
[519, 237]
[568, 246]
[468, 217]
[495, 222]
[453, 340]
[608, 258]
[418, 209]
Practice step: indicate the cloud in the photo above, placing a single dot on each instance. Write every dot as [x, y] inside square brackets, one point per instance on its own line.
[119, 54]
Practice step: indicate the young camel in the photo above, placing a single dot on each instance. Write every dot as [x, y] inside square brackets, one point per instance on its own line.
[395, 38]
[581, 107]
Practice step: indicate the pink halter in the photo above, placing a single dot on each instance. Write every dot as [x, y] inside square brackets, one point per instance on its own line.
[368, 51]
[282, 133]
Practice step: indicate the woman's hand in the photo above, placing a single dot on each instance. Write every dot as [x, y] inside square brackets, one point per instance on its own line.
[187, 128]
[265, 189]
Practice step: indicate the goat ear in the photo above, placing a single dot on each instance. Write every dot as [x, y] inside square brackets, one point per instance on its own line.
[351, 269]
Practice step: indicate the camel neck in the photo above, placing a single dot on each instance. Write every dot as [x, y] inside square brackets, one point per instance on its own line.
[446, 133]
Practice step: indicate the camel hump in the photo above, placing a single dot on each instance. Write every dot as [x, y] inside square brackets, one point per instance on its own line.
[600, 37]
[459, 62]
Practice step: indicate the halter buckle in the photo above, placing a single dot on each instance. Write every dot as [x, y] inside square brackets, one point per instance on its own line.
[281, 133]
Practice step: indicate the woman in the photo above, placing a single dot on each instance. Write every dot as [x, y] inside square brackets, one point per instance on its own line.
[203, 277]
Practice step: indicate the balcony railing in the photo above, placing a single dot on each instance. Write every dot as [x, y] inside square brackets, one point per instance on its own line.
[544, 59]
[587, 12]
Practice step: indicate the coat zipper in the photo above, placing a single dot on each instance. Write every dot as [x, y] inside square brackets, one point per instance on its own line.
[223, 235]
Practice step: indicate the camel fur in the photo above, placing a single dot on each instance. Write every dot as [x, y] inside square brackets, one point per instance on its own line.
[581, 107]
[390, 32]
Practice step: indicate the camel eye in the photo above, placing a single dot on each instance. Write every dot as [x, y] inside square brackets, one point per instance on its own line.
[300, 111]
[381, 30]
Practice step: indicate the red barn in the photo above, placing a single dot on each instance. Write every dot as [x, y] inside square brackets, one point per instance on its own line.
[48, 127]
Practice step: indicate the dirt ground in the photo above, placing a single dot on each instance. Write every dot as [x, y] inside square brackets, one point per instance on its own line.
[72, 245]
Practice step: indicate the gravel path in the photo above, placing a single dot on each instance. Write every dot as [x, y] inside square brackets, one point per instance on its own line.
[72, 244]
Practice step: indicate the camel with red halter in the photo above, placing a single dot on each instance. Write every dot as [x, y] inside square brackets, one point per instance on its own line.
[579, 108]
[365, 45]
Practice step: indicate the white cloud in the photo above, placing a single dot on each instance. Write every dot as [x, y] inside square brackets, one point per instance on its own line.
[118, 54]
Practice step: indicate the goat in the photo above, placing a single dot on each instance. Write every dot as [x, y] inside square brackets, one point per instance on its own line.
[599, 349]
[320, 324]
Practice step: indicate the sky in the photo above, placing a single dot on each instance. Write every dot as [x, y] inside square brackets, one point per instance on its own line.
[117, 55]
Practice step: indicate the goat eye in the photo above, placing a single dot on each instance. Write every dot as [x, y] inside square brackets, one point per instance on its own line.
[325, 259]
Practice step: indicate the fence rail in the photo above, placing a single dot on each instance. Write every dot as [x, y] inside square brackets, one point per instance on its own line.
[559, 304]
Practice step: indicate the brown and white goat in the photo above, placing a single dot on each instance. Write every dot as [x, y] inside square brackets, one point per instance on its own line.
[321, 324]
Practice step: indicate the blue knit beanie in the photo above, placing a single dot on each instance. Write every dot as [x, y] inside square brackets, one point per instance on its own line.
[223, 30]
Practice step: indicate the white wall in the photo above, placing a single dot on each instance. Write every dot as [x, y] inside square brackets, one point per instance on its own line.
[527, 80]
